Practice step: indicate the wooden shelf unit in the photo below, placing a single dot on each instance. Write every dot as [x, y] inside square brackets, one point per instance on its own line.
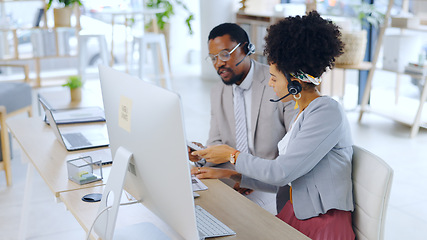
[16, 56]
[256, 24]
[398, 112]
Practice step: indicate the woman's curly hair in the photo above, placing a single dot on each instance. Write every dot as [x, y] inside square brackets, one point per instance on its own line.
[308, 43]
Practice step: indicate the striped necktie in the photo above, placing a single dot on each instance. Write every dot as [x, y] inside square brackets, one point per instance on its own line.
[240, 118]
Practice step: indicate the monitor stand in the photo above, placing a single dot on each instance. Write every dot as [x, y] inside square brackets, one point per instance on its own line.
[104, 226]
[140, 231]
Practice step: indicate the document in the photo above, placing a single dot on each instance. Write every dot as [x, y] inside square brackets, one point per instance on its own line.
[78, 115]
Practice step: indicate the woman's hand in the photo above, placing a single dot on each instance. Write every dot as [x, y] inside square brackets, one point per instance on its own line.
[191, 157]
[208, 172]
[216, 154]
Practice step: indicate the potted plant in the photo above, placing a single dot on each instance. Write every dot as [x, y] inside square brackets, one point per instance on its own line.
[355, 41]
[75, 84]
[164, 17]
[62, 14]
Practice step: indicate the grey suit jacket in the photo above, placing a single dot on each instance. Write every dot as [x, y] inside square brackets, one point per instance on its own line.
[317, 162]
[269, 120]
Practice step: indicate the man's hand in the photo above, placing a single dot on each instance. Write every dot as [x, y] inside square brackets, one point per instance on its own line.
[216, 154]
[244, 191]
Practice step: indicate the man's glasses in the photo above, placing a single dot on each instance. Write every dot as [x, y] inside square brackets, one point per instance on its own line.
[223, 55]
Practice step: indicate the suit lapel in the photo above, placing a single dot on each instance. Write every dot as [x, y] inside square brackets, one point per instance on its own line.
[257, 93]
[228, 104]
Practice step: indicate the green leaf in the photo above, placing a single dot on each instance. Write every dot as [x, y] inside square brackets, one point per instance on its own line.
[164, 17]
[73, 82]
[65, 3]
[368, 13]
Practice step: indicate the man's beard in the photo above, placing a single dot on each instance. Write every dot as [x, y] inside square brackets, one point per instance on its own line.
[233, 80]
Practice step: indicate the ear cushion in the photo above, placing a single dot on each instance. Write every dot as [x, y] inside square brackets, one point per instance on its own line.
[294, 87]
[251, 48]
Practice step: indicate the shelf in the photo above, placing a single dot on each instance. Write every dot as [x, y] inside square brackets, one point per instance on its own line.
[46, 42]
[7, 1]
[396, 115]
[414, 75]
[360, 66]
[404, 112]
[28, 58]
[255, 17]
[256, 24]
[408, 113]
[23, 28]
[421, 28]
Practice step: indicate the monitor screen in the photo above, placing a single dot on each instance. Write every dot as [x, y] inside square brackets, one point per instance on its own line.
[147, 121]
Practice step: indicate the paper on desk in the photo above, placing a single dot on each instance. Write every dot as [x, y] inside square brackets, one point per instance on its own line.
[197, 184]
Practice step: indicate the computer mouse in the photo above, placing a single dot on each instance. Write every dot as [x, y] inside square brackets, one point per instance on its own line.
[92, 197]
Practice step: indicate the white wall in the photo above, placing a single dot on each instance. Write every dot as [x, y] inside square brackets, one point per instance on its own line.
[182, 44]
[212, 13]
[261, 6]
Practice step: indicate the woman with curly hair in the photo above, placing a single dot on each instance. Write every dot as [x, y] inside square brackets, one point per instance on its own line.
[315, 155]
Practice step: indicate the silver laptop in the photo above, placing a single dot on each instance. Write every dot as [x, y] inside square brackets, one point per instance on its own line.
[78, 138]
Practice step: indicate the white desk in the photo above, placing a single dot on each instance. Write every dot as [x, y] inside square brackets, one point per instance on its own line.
[49, 158]
[247, 219]
[47, 155]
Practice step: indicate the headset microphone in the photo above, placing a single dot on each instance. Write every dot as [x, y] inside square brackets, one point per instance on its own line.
[242, 60]
[272, 100]
[294, 87]
[251, 50]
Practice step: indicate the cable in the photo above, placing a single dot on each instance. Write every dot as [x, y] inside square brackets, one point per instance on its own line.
[102, 211]
[93, 224]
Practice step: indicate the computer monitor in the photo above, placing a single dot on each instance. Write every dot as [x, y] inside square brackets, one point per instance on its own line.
[145, 125]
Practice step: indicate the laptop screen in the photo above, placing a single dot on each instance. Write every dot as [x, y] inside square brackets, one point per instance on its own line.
[52, 121]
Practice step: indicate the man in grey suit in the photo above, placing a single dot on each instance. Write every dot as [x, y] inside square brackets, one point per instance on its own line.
[266, 122]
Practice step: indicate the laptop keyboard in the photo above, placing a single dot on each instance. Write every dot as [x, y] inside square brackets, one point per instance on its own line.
[209, 226]
[76, 139]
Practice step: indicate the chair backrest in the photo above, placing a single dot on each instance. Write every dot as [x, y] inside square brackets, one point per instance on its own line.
[372, 179]
[5, 147]
[15, 97]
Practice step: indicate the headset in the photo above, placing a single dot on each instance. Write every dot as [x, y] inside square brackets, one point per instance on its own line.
[251, 50]
[294, 87]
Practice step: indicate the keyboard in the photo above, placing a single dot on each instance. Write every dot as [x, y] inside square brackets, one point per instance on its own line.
[209, 226]
[197, 185]
[76, 139]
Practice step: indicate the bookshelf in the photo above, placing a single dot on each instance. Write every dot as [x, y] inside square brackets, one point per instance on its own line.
[29, 43]
[256, 24]
[405, 111]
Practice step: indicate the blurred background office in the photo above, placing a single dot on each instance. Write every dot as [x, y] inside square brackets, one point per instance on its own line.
[30, 40]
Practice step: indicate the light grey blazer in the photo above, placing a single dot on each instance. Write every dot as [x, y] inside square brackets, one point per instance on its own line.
[317, 162]
[269, 120]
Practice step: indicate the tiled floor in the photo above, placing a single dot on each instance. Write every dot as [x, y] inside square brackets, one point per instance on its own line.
[406, 216]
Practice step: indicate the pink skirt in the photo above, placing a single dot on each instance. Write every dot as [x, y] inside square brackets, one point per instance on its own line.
[334, 224]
